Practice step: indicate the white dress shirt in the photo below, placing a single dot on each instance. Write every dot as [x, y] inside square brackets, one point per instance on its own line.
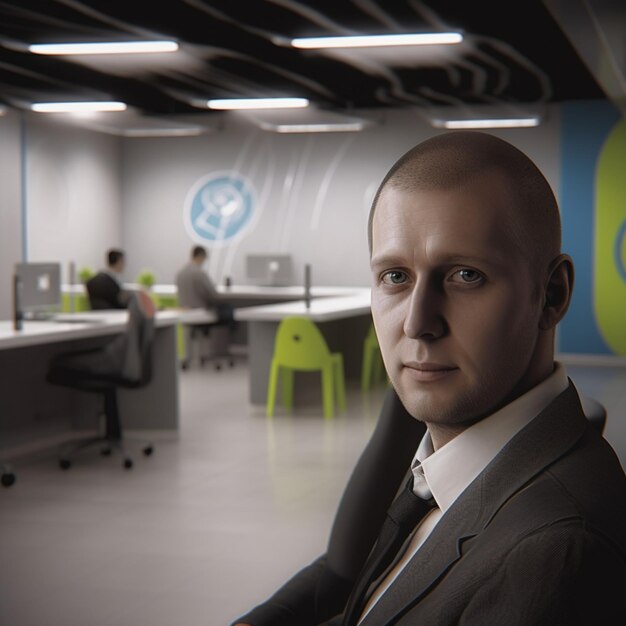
[446, 473]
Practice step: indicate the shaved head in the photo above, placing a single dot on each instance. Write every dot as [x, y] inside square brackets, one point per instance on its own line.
[450, 160]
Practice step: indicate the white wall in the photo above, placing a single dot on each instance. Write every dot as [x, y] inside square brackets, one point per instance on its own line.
[10, 213]
[73, 204]
[313, 192]
[87, 191]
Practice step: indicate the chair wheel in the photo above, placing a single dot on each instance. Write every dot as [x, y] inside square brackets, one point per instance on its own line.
[8, 479]
[218, 366]
[128, 463]
[148, 450]
[231, 363]
[105, 452]
[65, 464]
[184, 365]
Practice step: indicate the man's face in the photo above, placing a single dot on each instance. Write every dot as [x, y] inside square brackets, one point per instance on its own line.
[454, 304]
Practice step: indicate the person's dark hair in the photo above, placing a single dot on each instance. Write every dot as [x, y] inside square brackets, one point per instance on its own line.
[449, 160]
[198, 251]
[114, 255]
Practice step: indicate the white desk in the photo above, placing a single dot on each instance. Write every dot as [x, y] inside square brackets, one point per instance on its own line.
[83, 325]
[343, 319]
[277, 294]
[237, 291]
[195, 316]
[320, 309]
[35, 410]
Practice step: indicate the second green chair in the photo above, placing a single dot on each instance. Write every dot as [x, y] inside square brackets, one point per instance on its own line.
[373, 368]
[300, 346]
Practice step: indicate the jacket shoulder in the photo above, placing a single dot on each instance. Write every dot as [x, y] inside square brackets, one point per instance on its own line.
[586, 488]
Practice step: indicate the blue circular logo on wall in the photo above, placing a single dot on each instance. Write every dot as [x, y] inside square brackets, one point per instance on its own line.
[219, 208]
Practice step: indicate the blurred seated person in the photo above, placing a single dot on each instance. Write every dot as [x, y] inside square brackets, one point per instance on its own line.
[197, 291]
[105, 289]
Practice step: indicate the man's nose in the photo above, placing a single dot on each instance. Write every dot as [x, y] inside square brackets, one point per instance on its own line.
[424, 318]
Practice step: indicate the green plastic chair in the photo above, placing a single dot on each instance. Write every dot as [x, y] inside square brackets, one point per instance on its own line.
[300, 346]
[170, 301]
[372, 368]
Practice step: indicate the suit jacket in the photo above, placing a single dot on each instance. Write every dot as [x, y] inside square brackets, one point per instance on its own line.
[539, 537]
[105, 292]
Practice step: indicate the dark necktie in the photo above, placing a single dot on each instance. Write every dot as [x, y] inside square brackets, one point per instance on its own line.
[405, 512]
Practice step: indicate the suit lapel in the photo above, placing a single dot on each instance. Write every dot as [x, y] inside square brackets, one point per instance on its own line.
[548, 437]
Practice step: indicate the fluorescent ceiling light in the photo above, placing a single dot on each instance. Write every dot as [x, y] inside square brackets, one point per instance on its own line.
[163, 132]
[106, 47]
[514, 122]
[309, 120]
[316, 128]
[77, 107]
[257, 103]
[369, 41]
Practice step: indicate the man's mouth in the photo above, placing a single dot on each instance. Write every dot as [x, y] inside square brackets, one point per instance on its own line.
[428, 371]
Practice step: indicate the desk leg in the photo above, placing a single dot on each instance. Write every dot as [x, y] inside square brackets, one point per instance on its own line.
[261, 348]
[157, 405]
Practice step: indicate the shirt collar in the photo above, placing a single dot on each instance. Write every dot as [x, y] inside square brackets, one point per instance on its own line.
[448, 471]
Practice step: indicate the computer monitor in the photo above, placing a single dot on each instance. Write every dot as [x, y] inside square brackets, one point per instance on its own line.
[40, 288]
[270, 270]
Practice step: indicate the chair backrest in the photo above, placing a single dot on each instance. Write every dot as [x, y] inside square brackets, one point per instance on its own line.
[137, 365]
[300, 344]
[595, 412]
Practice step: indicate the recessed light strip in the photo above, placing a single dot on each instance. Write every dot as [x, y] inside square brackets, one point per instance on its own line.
[319, 128]
[77, 107]
[163, 132]
[105, 47]
[369, 41]
[516, 122]
[234, 104]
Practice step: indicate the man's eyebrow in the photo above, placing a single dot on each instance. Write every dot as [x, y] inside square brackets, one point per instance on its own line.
[390, 260]
[387, 260]
[492, 259]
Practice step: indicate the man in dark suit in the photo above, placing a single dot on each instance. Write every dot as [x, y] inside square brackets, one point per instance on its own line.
[515, 508]
[105, 288]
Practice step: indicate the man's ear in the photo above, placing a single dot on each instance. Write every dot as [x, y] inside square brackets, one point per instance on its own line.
[558, 291]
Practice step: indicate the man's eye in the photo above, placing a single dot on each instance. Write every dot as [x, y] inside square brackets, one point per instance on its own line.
[394, 277]
[467, 276]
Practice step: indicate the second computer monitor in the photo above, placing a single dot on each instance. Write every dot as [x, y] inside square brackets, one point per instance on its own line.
[40, 288]
[270, 270]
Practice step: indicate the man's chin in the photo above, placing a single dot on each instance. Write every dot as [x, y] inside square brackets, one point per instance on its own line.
[437, 408]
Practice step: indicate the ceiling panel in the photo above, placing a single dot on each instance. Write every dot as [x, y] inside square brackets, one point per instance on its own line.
[514, 55]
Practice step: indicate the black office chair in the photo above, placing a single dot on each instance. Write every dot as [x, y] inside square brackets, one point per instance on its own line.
[217, 336]
[8, 477]
[595, 413]
[124, 362]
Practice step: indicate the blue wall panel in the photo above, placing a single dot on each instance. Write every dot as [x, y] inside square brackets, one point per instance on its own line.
[585, 127]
